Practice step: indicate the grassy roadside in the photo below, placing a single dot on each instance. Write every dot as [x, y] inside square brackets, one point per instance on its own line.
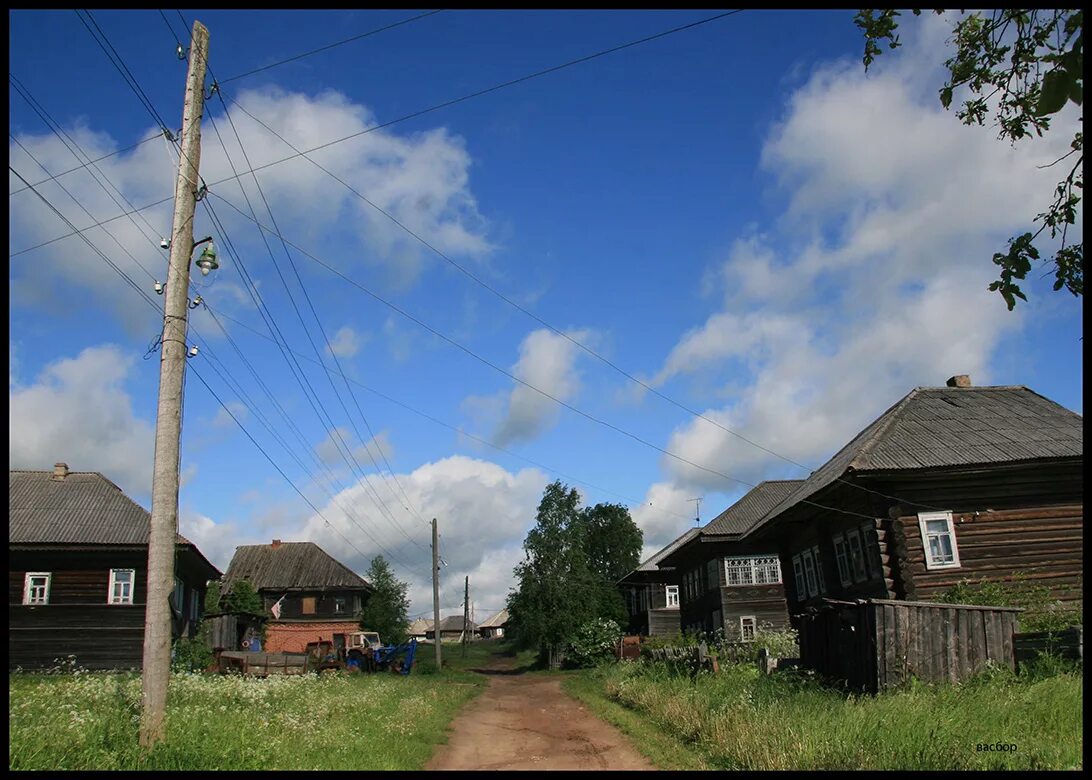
[662, 749]
[740, 719]
[89, 721]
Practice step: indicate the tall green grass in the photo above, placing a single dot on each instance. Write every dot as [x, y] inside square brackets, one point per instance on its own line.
[741, 719]
[87, 721]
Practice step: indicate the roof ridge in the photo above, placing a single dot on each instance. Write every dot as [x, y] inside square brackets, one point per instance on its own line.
[891, 414]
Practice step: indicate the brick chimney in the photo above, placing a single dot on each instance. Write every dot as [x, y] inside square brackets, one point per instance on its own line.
[276, 543]
[60, 471]
[959, 380]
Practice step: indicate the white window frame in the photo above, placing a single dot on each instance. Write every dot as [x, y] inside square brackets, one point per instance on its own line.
[125, 598]
[752, 570]
[924, 518]
[744, 625]
[811, 586]
[341, 605]
[858, 565]
[671, 595]
[820, 581]
[29, 589]
[799, 582]
[841, 557]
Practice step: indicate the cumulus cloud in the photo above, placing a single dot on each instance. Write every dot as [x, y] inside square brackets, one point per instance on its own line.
[78, 411]
[547, 361]
[871, 282]
[421, 179]
[346, 342]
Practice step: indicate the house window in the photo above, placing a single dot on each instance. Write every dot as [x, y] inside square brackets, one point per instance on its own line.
[179, 595]
[339, 605]
[747, 628]
[36, 587]
[672, 595]
[764, 570]
[711, 581]
[841, 557]
[871, 544]
[195, 606]
[718, 622]
[121, 586]
[819, 581]
[308, 605]
[810, 586]
[799, 582]
[856, 555]
[938, 536]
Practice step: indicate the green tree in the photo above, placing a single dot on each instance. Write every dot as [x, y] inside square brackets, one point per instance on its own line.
[242, 598]
[612, 543]
[1021, 66]
[387, 609]
[212, 598]
[555, 588]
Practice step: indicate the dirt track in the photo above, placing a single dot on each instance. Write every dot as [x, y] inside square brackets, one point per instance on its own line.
[525, 721]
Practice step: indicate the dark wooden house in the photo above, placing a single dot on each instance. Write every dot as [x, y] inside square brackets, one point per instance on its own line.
[950, 484]
[651, 594]
[727, 582]
[77, 572]
[308, 595]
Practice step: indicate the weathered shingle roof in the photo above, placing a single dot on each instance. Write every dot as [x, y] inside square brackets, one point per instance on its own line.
[496, 621]
[651, 563]
[937, 427]
[83, 508]
[290, 565]
[420, 626]
[740, 516]
[455, 623]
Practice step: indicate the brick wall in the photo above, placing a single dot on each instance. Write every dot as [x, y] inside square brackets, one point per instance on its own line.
[293, 637]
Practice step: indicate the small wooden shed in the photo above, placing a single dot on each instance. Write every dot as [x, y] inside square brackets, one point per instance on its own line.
[872, 644]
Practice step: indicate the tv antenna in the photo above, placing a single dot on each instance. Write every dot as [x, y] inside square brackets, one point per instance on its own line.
[697, 509]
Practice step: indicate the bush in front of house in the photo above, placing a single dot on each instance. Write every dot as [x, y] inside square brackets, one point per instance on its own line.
[191, 655]
[593, 643]
[1042, 612]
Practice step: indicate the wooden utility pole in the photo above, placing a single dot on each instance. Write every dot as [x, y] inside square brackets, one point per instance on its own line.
[168, 426]
[466, 615]
[436, 592]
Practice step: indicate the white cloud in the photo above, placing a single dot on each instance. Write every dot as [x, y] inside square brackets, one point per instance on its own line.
[78, 411]
[346, 342]
[664, 515]
[874, 280]
[421, 179]
[547, 362]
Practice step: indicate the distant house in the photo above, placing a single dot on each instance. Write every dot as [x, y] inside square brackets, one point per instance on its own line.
[494, 627]
[726, 582]
[78, 572]
[451, 627]
[651, 593]
[951, 483]
[308, 595]
[419, 628]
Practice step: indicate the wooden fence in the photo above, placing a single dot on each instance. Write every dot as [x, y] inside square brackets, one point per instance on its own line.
[689, 659]
[1067, 644]
[878, 643]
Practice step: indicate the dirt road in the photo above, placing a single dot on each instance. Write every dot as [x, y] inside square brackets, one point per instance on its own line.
[525, 721]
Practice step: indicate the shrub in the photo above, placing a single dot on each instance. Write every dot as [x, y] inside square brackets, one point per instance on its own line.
[1042, 612]
[593, 643]
[191, 655]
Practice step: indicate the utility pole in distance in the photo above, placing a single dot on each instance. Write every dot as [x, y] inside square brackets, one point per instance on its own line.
[168, 425]
[466, 614]
[436, 592]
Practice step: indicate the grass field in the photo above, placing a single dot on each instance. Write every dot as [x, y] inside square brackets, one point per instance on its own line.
[740, 719]
[88, 721]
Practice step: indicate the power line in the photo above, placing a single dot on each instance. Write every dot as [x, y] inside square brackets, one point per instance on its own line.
[478, 439]
[56, 176]
[329, 46]
[513, 377]
[494, 88]
[140, 291]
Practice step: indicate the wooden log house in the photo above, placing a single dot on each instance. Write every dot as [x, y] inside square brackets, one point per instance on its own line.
[77, 574]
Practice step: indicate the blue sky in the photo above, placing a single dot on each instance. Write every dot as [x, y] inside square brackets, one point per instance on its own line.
[735, 214]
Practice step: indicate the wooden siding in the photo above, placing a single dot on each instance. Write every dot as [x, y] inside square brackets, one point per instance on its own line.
[875, 644]
[766, 603]
[292, 606]
[663, 622]
[78, 620]
[100, 636]
[1041, 546]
